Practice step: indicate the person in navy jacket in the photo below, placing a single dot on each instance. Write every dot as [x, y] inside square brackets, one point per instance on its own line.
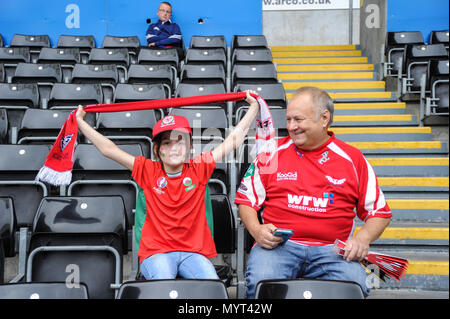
[164, 33]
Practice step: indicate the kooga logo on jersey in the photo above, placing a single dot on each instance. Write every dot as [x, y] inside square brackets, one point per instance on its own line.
[308, 203]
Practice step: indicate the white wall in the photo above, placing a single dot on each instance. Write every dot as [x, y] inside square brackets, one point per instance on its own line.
[309, 27]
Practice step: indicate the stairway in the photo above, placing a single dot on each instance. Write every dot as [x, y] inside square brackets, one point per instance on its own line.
[412, 168]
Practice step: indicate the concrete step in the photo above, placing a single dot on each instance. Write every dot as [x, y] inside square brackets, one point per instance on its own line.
[375, 120]
[324, 67]
[363, 96]
[414, 233]
[414, 184]
[382, 134]
[338, 47]
[410, 166]
[337, 85]
[434, 210]
[323, 60]
[296, 76]
[316, 53]
[401, 148]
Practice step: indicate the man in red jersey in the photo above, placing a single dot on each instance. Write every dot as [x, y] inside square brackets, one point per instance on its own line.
[315, 185]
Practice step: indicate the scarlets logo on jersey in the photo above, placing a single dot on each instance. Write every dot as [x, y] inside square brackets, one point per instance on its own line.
[310, 203]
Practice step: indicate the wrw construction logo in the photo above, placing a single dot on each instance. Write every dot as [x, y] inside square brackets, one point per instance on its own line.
[310, 203]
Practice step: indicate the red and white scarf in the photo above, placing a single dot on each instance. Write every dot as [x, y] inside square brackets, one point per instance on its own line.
[57, 169]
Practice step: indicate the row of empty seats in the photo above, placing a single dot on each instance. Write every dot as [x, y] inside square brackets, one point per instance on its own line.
[420, 68]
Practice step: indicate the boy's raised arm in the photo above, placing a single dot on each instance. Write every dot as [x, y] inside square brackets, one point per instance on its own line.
[237, 136]
[102, 143]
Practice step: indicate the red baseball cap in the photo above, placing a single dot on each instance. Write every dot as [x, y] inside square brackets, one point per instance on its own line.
[172, 122]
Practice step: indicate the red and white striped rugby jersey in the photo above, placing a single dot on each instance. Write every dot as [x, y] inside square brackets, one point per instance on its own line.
[315, 193]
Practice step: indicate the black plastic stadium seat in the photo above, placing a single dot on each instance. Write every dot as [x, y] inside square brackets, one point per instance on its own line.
[159, 56]
[173, 289]
[131, 127]
[37, 73]
[69, 56]
[253, 73]
[95, 175]
[4, 128]
[203, 73]
[49, 290]
[7, 232]
[34, 42]
[206, 56]
[71, 95]
[273, 93]
[100, 74]
[43, 126]
[437, 102]
[79, 240]
[16, 99]
[210, 42]
[439, 36]
[10, 57]
[153, 74]
[250, 56]
[191, 89]
[131, 43]
[308, 289]
[19, 165]
[417, 57]
[224, 232]
[248, 41]
[394, 49]
[83, 42]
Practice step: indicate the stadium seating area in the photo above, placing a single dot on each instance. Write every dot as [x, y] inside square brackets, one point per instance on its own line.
[62, 236]
[420, 68]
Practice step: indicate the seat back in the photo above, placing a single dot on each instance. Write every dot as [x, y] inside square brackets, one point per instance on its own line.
[308, 289]
[37, 72]
[19, 165]
[68, 56]
[79, 240]
[204, 73]
[395, 48]
[253, 73]
[251, 55]
[95, 175]
[31, 41]
[438, 72]
[7, 228]
[248, 41]
[83, 42]
[19, 95]
[95, 74]
[10, 57]
[208, 41]
[417, 57]
[118, 56]
[439, 36]
[206, 56]
[173, 289]
[71, 95]
[43, 126]
[224, 224]
[3, 126]
[48, 290]
[131, 43]
[159, 56]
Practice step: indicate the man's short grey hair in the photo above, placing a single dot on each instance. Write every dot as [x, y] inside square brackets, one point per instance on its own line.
[320, 98]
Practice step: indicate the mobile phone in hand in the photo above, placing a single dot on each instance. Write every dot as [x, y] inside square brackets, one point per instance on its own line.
[283, 233]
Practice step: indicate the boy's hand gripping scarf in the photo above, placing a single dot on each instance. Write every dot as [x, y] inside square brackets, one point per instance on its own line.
[57, 169]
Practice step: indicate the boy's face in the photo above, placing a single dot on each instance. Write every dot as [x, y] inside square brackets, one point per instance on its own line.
[174, 148]
[164, 12]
